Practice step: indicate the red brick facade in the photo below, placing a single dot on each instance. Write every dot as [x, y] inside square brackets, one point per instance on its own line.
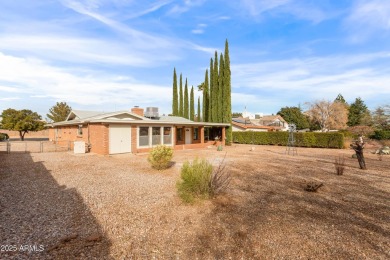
[97, 136]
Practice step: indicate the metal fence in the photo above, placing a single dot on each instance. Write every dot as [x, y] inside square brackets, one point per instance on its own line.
[35, 146]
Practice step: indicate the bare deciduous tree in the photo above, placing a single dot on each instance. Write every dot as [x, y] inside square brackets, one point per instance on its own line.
[329, 115]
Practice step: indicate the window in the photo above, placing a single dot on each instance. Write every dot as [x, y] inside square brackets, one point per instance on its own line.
[179, 135]
[80, 130]
[167, 135]
[156, 135]
[196, 133]
[144, 136]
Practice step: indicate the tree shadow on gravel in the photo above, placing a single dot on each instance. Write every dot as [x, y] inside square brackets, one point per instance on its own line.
[268, 215]
[41, 219]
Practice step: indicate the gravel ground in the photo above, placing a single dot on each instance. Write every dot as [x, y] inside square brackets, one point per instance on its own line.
[66, 206]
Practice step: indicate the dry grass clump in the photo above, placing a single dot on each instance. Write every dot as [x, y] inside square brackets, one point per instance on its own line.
[339, 165]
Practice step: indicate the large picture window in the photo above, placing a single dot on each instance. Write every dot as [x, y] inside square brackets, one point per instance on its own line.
[144, 136]
[167, 135]
[156, 135]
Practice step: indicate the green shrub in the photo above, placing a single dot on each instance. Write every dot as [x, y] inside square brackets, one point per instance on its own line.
[160, 157]
[195, 180]
[310, 139]
[381, 135]
[200, 181]
[3, 137]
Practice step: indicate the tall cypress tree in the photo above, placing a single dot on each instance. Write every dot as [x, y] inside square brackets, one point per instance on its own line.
[198, 118]
[215, 89]
[221, 91]
[192, 104]
[181, 105]
[175, 105]
[186, 106]
[206, 97]
[211, 92]
[227, 99]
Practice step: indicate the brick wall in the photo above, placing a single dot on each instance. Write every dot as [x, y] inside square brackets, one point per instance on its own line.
[99, 136]
[37, 134]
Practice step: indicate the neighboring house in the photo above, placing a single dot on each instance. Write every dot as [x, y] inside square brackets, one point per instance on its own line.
[133, 131]
[275, 121]
[241, 124]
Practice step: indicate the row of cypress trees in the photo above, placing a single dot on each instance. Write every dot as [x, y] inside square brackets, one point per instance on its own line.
[183, 105]
[216, 105]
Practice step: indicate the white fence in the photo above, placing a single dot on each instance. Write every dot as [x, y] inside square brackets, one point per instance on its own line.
[35, 146]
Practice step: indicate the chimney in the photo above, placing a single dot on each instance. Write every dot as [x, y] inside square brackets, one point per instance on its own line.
[138, 111]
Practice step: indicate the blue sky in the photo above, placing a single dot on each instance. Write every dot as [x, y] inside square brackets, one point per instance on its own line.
[110, 55]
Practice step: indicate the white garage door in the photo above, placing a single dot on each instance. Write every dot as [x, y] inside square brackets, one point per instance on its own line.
[120, 139]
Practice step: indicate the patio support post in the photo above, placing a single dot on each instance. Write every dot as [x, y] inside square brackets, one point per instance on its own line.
[223, 135]
[202, 134]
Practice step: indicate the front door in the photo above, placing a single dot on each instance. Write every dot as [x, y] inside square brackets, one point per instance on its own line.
[188, 134]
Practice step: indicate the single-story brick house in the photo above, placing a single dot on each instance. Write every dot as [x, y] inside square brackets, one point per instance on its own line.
[133, 131]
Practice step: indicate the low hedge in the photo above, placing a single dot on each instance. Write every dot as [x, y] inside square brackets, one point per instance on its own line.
[309, 139]
[381, 135]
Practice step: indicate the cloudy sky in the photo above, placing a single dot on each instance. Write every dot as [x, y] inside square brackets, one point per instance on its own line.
[109, 55]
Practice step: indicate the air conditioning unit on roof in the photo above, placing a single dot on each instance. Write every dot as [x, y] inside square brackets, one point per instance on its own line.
[151, 112]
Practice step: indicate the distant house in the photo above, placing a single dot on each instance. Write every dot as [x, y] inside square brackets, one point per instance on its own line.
[242, 124]
[275, 121]
[134, 131]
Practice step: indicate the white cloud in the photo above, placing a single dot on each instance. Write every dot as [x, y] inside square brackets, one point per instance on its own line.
[368, 18]
[256, 7]
[38, 79]
[186, 6]
[316, 77]
[302, 10]
[197, 31]
[9, 98]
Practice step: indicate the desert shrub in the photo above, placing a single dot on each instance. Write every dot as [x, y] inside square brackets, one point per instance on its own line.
[322, 140]
[160, 157]
[220, 179]
[340, 165]
[200, 181]
[381, 135]
[195, 179]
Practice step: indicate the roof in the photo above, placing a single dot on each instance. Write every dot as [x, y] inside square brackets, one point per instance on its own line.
[251, 126]
[81, 114]
[272, 118]
[77, 117]
[173, 119]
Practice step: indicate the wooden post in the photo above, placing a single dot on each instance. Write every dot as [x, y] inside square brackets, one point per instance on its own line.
[223, 135]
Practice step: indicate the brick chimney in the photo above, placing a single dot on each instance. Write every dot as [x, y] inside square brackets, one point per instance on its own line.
[137, 110]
